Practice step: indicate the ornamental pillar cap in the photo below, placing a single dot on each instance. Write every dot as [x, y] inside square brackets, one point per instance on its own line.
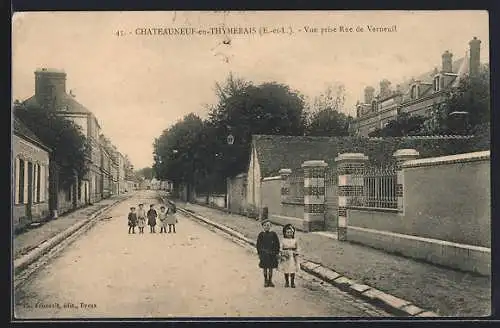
[285, 171]
[351, 157]
[315, 163]
[406, 153]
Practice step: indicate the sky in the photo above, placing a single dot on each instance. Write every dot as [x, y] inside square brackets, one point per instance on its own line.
[138, 85]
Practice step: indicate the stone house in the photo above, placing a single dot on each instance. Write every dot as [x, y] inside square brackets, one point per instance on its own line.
[422, 95]
[30, 168]
[50, 92]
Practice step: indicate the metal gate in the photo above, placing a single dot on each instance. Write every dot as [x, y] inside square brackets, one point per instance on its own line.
[331, 199]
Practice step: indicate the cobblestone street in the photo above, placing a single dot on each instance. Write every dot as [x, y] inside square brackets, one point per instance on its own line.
[195, 272]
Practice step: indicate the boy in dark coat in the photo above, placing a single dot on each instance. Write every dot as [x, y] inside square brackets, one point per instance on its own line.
[132, 220]
[152, 218]
[268, 248]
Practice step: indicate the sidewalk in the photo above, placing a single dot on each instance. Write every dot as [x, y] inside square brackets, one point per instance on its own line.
[30, 239]
[442, 290]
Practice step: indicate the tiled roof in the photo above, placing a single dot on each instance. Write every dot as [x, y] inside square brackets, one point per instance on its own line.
[277, 152]
[68, 103]
[21, 129]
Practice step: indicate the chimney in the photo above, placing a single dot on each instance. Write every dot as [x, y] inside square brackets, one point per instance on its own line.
[475, 46]
[447, 68]
[369, 91]
[50, 86]
[384, 88]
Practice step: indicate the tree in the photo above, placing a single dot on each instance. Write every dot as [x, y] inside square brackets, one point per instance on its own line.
[326, 117]
[177, 150]
[244, 109]
[71, 149]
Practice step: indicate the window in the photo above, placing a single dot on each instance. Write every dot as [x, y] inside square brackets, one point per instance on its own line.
[414, 92]
[68, 194]
[20, 195]
[374, 106]
[437, 83]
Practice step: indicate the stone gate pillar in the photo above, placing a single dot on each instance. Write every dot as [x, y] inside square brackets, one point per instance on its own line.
[285, 183]
[314, 195]
[401, 156]
[350, 185]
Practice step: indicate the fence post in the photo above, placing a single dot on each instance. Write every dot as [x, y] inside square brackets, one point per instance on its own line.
[314, 195]
[401, 156]
[348, 165]
[285, 183]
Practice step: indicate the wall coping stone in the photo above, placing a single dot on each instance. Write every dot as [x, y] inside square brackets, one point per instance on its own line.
[450, 159]
[285, 171]
[406, 152]
[314, 163]
[271, 178]
[424, 239]
[351, 156]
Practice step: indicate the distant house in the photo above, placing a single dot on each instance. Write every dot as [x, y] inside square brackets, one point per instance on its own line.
[30, 166]
[422, 95]
[155, 184]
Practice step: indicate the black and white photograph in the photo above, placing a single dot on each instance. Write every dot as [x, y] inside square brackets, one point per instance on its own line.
[250, 164]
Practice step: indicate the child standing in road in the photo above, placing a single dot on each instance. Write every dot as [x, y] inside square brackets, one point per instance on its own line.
[141, 217]
[268, 248]
[152, 215]
[171, 217]
[132, 220]
[163, 219]
[289, 264]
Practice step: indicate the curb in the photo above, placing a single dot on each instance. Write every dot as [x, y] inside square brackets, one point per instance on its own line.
[389, 303]
[24, 261]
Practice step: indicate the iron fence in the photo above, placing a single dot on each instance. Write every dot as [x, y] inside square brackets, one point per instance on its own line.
[378, 186]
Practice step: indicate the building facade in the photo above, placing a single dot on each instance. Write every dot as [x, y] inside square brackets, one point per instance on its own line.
[50, 93]
[105, 167]
[122, 186]
[424, 95]
[30, 168]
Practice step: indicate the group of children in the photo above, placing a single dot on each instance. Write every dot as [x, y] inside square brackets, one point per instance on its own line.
[272, 255]
[166, 216]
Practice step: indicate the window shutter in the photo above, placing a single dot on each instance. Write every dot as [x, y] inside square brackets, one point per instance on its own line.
[16, 181]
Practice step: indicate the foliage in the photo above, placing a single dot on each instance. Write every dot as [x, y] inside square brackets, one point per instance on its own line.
[403, 125]
[472, 96]
[176, 152]
[326, 117]
[70, 148]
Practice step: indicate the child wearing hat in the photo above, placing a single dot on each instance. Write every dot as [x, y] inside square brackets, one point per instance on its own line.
[289, 264]
[152, 215]
[268, 248]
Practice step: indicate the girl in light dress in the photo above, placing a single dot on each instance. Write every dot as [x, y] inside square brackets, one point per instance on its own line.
[171, 217]
[162, 216]
[141, 218]
[289, 264]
